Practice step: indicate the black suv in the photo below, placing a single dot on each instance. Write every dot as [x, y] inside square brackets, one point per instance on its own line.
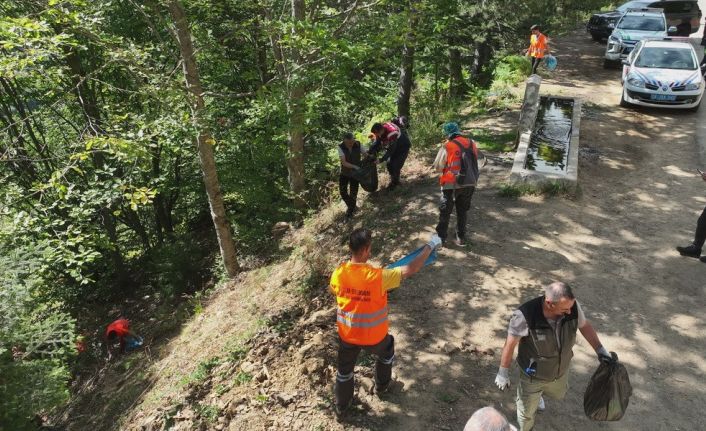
[677, 12]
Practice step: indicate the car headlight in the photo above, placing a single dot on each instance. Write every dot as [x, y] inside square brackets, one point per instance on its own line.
[613, 39]
[692, 87]
[636, 82]
[611, 25]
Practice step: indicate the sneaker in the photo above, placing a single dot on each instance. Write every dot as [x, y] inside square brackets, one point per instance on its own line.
[542, 406]
[690, 251]
[461, 241]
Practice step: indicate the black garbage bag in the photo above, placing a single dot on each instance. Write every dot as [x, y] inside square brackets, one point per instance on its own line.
[367, 176]
[608, 393]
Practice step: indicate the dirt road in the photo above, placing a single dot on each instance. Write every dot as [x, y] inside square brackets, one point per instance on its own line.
[639, 198]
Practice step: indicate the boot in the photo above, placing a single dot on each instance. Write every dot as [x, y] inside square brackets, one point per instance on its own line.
[690, 251]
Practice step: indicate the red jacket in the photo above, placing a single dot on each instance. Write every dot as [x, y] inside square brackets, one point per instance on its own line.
[121, 327]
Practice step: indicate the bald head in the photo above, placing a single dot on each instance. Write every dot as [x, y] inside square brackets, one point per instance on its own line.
[488, 419]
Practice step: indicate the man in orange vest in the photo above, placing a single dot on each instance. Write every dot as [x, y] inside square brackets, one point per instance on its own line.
[539, 47]
[361, 295]
[449, 163]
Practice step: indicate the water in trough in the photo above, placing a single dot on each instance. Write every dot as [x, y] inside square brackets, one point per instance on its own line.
[548, 149]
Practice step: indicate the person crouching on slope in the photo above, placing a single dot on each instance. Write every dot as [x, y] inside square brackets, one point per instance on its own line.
[361, 296]
[396, 144]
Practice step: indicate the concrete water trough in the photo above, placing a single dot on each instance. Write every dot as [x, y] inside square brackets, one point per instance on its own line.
[548, 146]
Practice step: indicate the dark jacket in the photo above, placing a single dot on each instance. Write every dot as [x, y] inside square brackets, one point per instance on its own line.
[539, 349]
[353, 156]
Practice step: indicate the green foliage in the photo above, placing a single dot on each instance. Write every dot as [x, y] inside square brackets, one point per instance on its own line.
[208, 412]
[36, 343]
[242, 378]
[546, 188]
[498, 142]
[512, 70]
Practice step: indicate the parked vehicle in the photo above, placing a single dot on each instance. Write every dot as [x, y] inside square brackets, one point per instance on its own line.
[663, 73]
[602, 24]
[634, 26]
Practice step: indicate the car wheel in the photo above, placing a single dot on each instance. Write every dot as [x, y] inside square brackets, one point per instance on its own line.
[624, 103]
[597, 37]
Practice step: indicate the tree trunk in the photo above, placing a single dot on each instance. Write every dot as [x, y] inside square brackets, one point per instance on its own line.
[481, 57]
[296, 108]
[456, 87]
[407, 68]
[204, 140]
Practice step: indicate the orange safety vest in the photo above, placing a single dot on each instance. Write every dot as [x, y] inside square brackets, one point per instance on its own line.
[453, 159]
[538, 45]
[362, 304]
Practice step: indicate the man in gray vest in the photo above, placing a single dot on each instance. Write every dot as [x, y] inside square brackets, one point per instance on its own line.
[545, 329]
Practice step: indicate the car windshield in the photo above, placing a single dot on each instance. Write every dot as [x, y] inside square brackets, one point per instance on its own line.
[641, 23]
[631, 5]
[666, 58]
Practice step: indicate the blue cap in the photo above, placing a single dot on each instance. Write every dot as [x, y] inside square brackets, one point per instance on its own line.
[451, 128]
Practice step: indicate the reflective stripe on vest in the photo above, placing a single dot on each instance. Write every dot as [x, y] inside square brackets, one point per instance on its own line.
[538, 44]
[453, 159]
[362, 304]
[353, 320]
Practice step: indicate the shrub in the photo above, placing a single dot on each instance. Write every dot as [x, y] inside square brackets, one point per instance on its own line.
[36, 343]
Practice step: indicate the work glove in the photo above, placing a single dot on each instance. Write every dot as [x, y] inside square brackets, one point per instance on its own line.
[604, 355]
[502, 380]
[434, 242]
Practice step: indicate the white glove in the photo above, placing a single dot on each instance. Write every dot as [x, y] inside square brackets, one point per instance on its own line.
[603, 354]
[434, 242]
[502, 380]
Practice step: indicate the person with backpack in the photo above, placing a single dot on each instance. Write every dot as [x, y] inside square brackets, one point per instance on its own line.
[395, 141]
[351, 153]
[457, 161]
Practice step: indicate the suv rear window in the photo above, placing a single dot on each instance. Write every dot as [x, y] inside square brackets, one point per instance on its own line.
[641, 23]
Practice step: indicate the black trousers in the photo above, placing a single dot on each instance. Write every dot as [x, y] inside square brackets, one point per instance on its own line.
[700, 235]
[461, 199]
[349, 191]
[347, 357]
[397, 159]
[535, 64]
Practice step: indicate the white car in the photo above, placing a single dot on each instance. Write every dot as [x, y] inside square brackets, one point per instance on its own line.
[663, 73]
[634, 26]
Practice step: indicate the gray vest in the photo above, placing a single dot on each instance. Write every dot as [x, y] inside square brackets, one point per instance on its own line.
[540, 346]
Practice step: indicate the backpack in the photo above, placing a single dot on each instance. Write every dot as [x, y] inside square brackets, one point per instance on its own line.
[469, 173]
